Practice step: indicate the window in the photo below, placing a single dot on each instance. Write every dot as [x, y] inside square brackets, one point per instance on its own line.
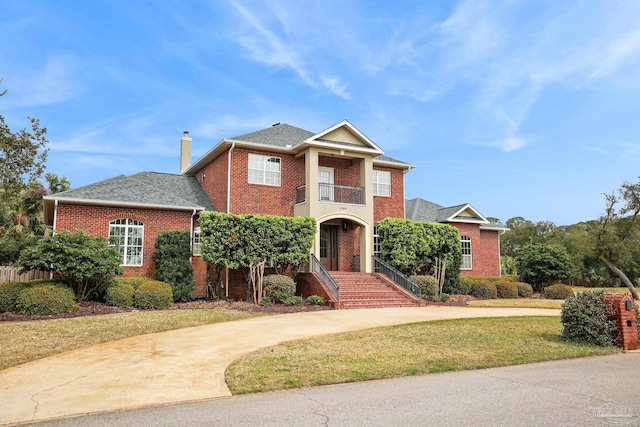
[264, 170]
[377, 249]
[467, 261]
[196, 241]
[381, 183]
[127, 236]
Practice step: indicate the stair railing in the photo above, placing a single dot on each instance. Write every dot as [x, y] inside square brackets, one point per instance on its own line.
[396, 277]
[330, 284]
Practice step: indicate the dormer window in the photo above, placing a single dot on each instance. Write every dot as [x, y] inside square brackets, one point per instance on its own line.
[265, 170]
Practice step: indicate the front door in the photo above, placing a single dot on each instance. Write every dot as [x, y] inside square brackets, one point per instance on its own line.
[329, 247]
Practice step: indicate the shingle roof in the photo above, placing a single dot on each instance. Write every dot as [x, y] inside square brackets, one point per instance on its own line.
[145, 188]
[422, 210]
[279, 135]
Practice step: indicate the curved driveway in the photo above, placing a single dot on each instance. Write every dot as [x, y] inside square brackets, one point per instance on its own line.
[183, 365]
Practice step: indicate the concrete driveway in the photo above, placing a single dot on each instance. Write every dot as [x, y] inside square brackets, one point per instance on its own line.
[184, 365]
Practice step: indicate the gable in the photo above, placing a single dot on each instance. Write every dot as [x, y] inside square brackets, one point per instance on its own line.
[344, 135]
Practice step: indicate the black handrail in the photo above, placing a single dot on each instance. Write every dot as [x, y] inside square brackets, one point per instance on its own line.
[396, 277]
[325, 277]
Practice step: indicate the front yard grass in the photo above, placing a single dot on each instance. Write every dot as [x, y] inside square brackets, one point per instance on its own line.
[517, 303]
[405, 350]
[26, 341]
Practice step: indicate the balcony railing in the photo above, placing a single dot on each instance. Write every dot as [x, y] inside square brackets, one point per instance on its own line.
[397, 277]
[334, 193]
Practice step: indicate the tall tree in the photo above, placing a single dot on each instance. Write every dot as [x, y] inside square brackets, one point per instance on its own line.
[618, 236]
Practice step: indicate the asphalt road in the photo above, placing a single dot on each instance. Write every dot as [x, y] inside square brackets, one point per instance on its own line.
[597, 391]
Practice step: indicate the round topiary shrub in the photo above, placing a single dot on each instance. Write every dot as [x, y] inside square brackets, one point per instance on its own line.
[9, 293]
[46, 299]
[525, 290]
[482, 290]
[506, 290]
[134, 281]
[586, 318]
[153, 295]
[429, 284]
[465, 285]
[279, 287]
[120, 295]
[558, 292]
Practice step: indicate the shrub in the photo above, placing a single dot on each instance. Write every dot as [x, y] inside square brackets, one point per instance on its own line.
[465, 285]
[293, 300]
[153, 295]
[525, 290]
[506, 290]
[134, 281]
[120, 295]
[483, 290]
[429, 284]
[558, 291]
[279, 287]
[46, 299]
[586, 318]
[315, 300]
[9, 293]
[540, 264]
[442, 297]
[266, 302]
[172, 258]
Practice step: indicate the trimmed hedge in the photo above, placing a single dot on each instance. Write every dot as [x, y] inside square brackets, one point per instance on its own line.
[482, 290]
[134, 281]
[120, 295]
[153, 295]
[429, 284]
[525, 290]
[586, 318]
[46, 299]
[558, 292]
[506, 290]
[9, 294]
[278, 287]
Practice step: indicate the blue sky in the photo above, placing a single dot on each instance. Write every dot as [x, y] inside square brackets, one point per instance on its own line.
[521, 108]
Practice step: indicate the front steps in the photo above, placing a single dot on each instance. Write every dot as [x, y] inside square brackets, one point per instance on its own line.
[364, 290]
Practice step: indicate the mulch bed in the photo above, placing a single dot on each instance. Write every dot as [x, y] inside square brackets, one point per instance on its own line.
[95, 309]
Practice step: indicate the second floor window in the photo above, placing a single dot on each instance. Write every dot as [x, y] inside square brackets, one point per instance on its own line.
[381, 183]
[264, 170]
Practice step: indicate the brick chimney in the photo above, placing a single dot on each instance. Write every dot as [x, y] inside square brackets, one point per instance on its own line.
[185, 151]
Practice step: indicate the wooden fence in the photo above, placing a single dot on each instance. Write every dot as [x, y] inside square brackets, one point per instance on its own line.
[10, 274]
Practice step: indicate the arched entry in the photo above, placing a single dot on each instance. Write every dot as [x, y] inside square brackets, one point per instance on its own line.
[341, 242]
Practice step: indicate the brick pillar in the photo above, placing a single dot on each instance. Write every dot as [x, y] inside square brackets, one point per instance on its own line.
[624, 315]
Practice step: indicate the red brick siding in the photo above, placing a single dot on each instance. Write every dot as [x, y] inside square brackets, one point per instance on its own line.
[264, 199]
[94, 220]
[345, 171]
[393, 206]
[485, 250]
[215, 182]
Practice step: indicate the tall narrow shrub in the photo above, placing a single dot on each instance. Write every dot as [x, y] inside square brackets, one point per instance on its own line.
[172, 258]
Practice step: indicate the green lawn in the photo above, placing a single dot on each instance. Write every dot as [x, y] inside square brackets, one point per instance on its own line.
[404, 350]
[517, 303]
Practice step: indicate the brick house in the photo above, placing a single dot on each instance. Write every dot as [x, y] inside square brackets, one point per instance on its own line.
[338, 176]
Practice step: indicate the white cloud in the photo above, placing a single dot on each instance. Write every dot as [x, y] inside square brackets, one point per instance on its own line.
[511, 143]
[336, 86]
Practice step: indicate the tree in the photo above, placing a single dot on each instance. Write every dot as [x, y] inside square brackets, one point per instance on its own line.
[57, 184]
[172, 259]
[82, 261]
[618, 237]
[249, 241]
[541, 264]
[523, 232]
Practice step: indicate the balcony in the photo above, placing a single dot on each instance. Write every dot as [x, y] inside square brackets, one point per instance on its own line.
[334, 194]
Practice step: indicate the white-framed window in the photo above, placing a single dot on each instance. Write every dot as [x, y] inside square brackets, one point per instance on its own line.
[381, 183]
[467, 260]
[127, 236]
[196, 241]
[377, 249]
[265, 170]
